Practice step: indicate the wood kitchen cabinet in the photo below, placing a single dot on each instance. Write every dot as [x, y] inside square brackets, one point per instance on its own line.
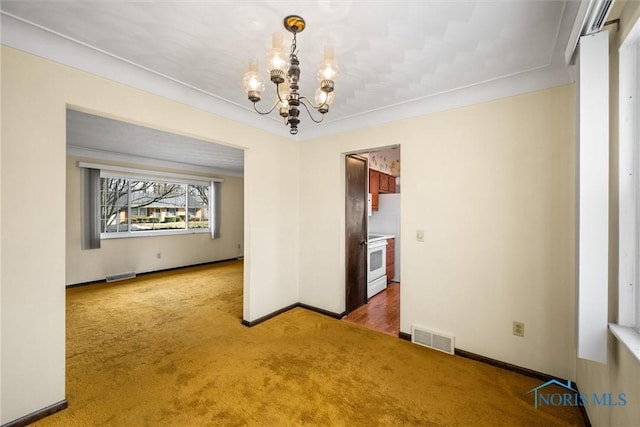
[374, 188]
[384, 183]
[391, 263]
[380, 183]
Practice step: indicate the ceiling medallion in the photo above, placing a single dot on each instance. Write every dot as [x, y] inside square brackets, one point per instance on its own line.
[285, 74]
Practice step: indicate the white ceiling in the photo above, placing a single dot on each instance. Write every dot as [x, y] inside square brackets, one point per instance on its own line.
[99, 137]
[398, 58]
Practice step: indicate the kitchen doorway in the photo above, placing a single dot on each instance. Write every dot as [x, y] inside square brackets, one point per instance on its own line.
[381, 307]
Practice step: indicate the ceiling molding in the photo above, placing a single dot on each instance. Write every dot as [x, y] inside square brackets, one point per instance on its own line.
[39, 41]
[32, 38]
[504, 87]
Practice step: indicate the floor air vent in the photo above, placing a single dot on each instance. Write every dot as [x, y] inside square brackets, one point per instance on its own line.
[122, 276]
[431, 339]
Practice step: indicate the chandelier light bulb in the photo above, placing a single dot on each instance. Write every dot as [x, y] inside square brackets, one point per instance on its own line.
[277, 59]
[328, 69]
[324, 100]
[253, 82]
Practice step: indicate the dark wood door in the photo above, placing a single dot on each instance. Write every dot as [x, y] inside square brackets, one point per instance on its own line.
[356, 233]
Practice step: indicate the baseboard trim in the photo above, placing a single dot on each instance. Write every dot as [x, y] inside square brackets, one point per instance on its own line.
[498, 363]
[38, 415]
[102, 281]
[268, 316]
[504, 365]
[291, 307]
[583, 410]
[509, 367]
[404, 336]
[323, 311]
[524, 371]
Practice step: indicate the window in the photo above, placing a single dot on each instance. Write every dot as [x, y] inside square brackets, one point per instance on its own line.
[627, 328]
[629, 221]
[126, 202]
[114, 203]
[136, 206]
[198, 211]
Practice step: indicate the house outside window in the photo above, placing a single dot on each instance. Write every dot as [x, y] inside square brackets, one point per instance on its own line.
[134, 206]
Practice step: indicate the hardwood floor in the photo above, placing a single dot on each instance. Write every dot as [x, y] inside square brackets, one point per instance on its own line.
[382, 313]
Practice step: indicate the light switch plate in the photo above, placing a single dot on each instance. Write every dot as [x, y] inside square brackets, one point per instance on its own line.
[420, 235]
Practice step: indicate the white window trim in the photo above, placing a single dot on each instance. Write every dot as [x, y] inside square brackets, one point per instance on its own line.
[112, 171]
[592, 197]
[136, 234]
[154, 233]
[627, 329]
[125, 172]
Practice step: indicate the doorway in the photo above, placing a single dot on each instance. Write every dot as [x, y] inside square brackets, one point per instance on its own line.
[380, 307]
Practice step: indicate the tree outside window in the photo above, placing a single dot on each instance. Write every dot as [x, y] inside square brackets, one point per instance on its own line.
[129, 205]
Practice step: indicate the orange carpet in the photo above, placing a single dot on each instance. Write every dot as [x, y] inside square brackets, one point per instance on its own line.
[168, 349]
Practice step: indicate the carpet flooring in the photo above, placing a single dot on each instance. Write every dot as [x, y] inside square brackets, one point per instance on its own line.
[168, 349]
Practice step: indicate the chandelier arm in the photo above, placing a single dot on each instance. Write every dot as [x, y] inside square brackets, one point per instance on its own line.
[264, 113]
[317, 107]
[309, 112]
[279, 97]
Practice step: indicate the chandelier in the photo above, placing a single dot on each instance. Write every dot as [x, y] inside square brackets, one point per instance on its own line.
[285, 74]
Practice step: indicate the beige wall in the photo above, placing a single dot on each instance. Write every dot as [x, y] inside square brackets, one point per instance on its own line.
[621, 373]
[35, 96]
[32, 264]
[139, 254]
[492, 185]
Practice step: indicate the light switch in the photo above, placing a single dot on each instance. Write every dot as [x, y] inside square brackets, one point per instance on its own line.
[420, 235]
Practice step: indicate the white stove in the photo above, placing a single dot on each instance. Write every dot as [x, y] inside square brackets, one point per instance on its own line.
[377, 271]
[374, 237]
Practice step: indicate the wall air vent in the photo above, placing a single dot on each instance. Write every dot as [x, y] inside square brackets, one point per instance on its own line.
[432, 339]
[122, 276]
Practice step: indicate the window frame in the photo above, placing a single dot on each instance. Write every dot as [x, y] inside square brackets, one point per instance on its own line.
[627, 328]
[213, 183]
[156, 179]
[629, 184]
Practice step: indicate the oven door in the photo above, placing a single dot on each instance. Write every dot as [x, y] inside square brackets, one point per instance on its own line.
[377, 260]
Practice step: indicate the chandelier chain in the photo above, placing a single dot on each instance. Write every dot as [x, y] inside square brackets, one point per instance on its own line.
[294, 46]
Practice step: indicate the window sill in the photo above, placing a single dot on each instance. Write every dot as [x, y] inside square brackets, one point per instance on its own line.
[135, 234]
[628, 336]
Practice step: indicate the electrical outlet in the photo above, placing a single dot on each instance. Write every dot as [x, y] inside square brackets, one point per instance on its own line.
[420, 235]
[159, 255]
[518, 329]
